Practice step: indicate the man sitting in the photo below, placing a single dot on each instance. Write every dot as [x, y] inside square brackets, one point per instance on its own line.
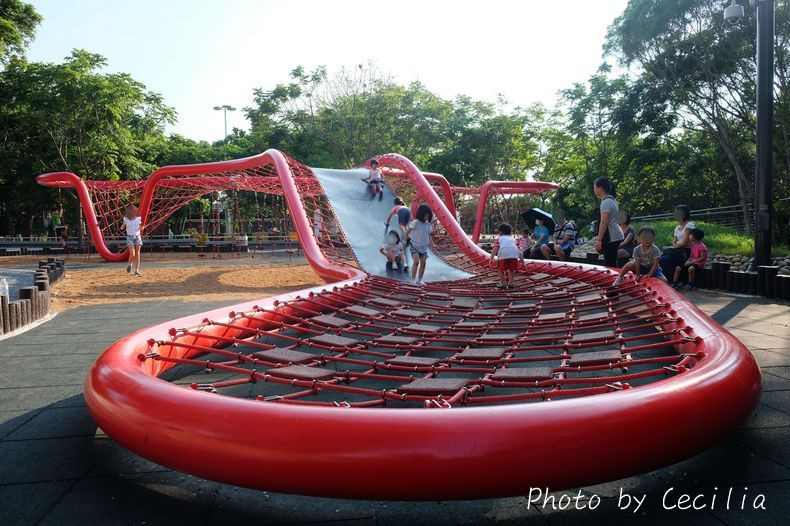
[564, 238]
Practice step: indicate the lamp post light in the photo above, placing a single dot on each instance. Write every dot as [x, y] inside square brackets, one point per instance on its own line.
[763, 180]
[225, 108]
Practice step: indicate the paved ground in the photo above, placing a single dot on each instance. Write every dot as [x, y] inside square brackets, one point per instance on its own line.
[57, 468]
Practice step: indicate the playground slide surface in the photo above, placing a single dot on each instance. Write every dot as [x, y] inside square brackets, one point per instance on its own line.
[362, 220]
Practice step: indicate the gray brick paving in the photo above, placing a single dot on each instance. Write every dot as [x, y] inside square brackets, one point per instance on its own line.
[56, 467]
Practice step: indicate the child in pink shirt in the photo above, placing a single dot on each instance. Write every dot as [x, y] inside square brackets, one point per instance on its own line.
[696, 261]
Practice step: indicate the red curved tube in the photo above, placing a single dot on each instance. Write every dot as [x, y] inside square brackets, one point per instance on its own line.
[421, 454]
[418, 454]
[326, 269]
[510, 187]
[70, 180]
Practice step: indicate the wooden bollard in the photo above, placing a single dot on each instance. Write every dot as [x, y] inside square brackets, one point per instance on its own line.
[13, 315]
[24, 312]
[30, 294]
[46, 301]
[2, 329]
[769, 273]
[730, 281]
[42, 283]
[783, 287]
[6, 315]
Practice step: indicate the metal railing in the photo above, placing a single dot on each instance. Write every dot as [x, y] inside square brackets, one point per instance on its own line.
[731, 216]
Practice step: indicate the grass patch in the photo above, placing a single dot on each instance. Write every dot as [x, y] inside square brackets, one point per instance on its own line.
[719, 239]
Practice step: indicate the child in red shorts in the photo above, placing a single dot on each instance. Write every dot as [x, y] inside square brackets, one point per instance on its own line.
[506, 250]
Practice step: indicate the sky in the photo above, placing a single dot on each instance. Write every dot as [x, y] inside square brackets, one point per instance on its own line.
[202, 53]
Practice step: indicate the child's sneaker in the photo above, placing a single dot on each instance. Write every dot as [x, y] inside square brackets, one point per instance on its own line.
[137, 272]
[689, 286]
[389, 266]
[381, 196]
[128, 268]
[674, 285]
[406, 268]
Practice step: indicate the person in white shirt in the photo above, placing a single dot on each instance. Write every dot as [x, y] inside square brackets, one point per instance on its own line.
[134, 240]
[374, 180]
[509, 255]
[419, 235]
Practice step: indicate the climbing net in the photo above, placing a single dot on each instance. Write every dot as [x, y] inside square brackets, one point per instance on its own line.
[380, 343]
[174, 192]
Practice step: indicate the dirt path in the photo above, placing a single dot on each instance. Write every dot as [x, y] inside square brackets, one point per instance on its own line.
[189, 282]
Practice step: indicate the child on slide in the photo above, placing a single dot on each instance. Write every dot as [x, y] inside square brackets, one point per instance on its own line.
[419, 233]
[393, 251]
[374, 180]
[402, 212]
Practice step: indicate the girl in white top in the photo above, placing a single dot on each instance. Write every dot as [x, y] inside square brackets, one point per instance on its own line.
[374, 180]
[134, 241]
[419, 234]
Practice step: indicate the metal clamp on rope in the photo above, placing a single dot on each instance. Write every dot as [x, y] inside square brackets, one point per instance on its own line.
[616, 386]
[342, 404]
[672, 368]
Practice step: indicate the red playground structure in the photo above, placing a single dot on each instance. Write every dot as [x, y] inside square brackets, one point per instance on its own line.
[378, 387]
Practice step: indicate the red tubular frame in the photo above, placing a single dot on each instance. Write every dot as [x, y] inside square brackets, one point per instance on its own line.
[508, 187]
[419, 454]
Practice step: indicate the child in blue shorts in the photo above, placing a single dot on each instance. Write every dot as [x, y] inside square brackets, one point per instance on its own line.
[644, 260]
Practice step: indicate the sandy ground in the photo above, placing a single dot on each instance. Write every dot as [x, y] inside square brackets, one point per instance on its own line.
[206, 282]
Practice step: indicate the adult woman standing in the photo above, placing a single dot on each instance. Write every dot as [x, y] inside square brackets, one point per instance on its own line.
[677, 253]
[610, 235]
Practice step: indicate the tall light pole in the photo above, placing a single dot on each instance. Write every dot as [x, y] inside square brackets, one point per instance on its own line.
[225, 108]
[763, 178]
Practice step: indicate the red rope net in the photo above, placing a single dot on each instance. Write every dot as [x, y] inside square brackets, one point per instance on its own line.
[382, 343]
[110, 198]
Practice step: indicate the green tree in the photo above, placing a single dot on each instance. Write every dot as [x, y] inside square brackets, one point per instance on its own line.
[71, 117]
[18, 22]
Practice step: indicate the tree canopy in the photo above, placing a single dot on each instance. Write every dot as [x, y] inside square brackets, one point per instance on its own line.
[668, 116]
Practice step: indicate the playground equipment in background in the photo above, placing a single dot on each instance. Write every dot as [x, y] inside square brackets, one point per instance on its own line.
[170, 188]
[373, 388]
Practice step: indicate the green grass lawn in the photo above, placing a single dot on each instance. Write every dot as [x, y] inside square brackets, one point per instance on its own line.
[719, 239]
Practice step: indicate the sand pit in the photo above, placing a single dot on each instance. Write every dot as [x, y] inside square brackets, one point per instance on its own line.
[196, 282]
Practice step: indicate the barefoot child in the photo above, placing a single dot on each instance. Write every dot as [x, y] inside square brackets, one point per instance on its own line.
[374, 180]
[645, 258]
[134, 240]
[402, 212]
[419, 233]
[393, 250]
[508, 256]
[695, 262]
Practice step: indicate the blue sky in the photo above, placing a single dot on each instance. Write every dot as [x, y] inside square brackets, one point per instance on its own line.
[201, 53]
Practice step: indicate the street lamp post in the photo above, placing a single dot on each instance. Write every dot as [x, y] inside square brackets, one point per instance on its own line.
[763, 179]
[225, 108]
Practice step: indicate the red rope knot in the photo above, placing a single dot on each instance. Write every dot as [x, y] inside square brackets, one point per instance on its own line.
[252, 376]
[207, 321]
[151, 355]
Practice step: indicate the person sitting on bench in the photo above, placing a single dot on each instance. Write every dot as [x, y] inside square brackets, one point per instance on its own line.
[564, 238]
